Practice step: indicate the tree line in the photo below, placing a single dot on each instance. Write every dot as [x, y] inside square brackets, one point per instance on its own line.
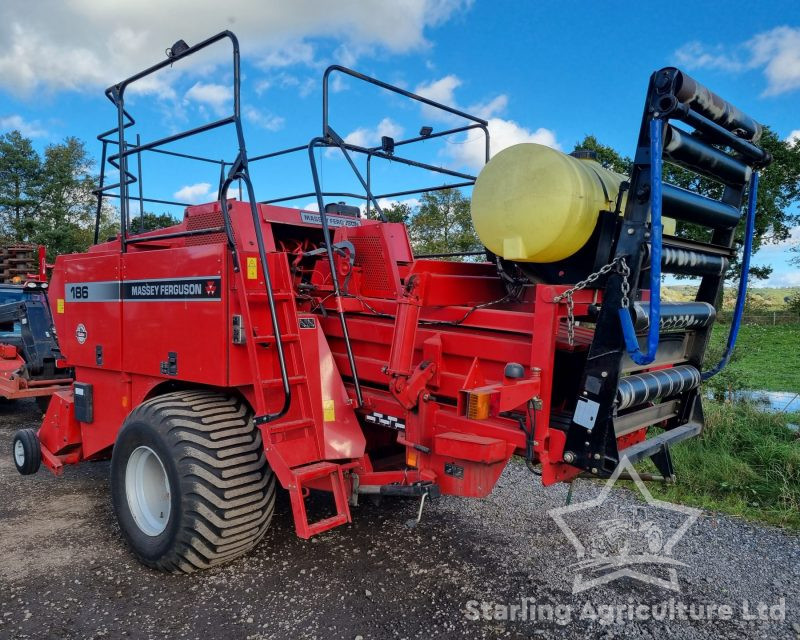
[48, 198]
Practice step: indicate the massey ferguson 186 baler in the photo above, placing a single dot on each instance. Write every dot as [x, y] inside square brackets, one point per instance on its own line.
[254, 343]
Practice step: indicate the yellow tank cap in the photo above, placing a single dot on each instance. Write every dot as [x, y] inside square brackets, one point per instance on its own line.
[532, 203]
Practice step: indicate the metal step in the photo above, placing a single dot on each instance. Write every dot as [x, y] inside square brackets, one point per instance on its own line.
[635, 420]
[673, 349]
[636, 389]
[328, 477]
[651, 446]
[268, 338]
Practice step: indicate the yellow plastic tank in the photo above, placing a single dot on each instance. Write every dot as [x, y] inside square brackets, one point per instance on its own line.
[532, 203]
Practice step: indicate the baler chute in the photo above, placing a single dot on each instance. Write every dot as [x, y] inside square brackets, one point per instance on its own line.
[324, 354]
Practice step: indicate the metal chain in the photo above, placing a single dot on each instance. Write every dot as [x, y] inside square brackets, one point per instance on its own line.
[625, 286]
[593, 277]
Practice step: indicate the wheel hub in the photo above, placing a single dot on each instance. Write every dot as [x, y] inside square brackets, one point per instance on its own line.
[19, 453]
[147, 490]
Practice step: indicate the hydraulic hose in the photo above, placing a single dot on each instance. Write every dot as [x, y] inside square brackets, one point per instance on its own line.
[741, 295]
[628, 331]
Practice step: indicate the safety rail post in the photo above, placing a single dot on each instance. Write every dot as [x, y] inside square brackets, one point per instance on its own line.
[239, 170]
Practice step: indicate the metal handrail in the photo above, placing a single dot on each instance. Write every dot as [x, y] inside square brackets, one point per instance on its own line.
[239, 171]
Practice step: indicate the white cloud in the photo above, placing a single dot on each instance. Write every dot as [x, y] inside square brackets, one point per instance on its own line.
[775, 52]
[370, 137]
[32, 129]
[489, 109]
[300, 52]
[696, 55]
[471, 152]
[778, 51]
[262, 119]
[217, 96]
[793, 240]
[58, 48]
[194, 193]
[441, 91]
[413, 203]
[305, 87]
[284, 80]
[785, 279]
[793, 137]
[338, 83]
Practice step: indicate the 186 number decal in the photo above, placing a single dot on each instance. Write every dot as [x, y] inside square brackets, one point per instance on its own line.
[79, 293]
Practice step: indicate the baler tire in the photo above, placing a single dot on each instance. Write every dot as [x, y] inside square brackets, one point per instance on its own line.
[26, 451]
[220, 490]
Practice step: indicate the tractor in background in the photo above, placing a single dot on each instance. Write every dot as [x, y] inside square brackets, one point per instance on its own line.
[29, 355]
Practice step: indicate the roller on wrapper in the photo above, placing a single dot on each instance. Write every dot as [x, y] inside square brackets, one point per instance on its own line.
[532, 203]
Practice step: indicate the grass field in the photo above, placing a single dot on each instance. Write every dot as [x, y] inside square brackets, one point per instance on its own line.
[767, 298]
[747, 461]
[766, 357]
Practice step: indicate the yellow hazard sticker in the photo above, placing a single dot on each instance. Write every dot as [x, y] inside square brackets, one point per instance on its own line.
[60, 305]
[328, 411]
[252, 269]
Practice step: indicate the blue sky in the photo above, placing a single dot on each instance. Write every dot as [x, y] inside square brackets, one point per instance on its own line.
[542, 71]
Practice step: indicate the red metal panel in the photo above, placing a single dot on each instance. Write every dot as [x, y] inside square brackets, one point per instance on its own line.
[468, 446]
[464, 478]
[195, 329]
[111, 406]
[342, 435]
[92, 311]
[373, 255]
[60, 431]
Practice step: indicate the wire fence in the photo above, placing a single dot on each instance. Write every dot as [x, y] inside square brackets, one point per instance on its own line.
[766, 318]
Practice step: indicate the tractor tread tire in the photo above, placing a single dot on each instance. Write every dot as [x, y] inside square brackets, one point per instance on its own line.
[223, 491]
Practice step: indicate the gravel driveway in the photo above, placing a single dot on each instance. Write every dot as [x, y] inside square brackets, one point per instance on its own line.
[65, 573]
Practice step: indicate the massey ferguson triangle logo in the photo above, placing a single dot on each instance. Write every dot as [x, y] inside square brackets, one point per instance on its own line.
[211, 288]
